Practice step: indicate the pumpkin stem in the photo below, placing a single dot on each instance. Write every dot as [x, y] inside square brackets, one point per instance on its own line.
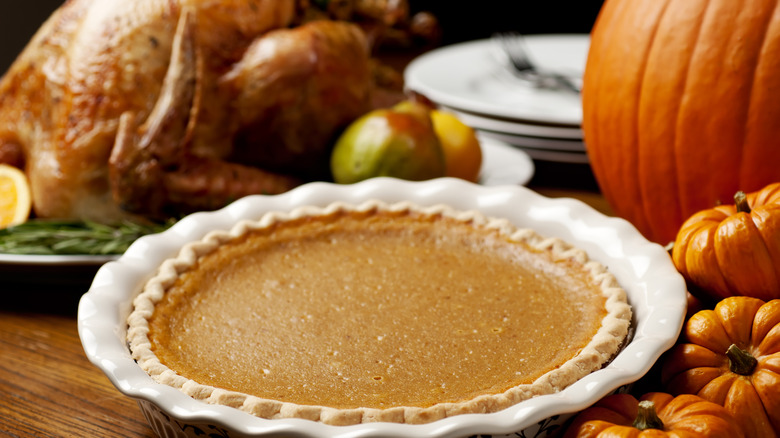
[740, 361]
[647, 417]
[741, 200]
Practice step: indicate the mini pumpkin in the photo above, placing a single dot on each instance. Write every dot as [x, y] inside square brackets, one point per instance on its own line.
[733, 249]
[731, 356]
[655, 415]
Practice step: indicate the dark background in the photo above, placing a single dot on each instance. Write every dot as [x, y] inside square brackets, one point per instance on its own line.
[461, 20]
[474, 19]
[18, 21]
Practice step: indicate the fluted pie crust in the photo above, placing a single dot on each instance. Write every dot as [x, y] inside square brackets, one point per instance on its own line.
[376, 312]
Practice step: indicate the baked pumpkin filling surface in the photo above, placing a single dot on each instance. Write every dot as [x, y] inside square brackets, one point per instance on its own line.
[376, 309]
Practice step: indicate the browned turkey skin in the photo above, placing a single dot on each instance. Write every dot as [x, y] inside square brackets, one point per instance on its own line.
[149, 108]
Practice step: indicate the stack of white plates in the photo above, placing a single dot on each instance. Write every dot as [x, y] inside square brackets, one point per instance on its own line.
[473, 80]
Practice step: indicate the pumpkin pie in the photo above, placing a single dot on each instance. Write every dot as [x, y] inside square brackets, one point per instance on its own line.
[376, 312]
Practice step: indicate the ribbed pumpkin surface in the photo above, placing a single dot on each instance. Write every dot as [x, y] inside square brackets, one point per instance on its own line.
[681, 106]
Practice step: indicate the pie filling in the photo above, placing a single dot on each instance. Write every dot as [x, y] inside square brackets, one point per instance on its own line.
[377, 313]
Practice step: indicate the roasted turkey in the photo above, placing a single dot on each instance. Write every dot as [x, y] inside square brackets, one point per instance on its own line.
[150, 108]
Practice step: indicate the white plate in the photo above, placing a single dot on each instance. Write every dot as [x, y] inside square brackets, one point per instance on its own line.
[556, 156]
[541, 149]
[524, 141]
[54, 260]
[504, 164]
[469, 76]
[515, 127]
[655, 290]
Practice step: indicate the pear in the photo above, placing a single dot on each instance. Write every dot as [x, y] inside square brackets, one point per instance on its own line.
[399, 142]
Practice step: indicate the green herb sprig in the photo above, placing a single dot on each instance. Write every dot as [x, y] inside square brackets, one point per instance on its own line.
[48, 237]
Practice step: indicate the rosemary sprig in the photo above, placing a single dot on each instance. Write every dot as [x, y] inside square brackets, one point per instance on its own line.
[48, 237]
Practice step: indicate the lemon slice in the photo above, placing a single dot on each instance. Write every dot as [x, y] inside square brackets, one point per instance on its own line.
[15, 201]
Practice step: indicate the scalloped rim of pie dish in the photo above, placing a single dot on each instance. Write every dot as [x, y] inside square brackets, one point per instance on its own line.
[606, 343]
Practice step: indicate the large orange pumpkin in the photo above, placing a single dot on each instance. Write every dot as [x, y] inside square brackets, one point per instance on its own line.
[680, 106]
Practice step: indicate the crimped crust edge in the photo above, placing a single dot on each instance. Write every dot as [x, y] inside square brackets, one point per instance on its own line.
[602, 348]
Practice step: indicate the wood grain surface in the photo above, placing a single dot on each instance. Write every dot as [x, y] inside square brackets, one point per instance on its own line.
[50, 389]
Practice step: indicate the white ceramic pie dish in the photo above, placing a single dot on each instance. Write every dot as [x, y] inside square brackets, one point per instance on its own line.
[655, 289]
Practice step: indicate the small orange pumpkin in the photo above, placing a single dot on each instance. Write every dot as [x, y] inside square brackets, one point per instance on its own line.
[733, 249]
[655, 415]
[732, 357]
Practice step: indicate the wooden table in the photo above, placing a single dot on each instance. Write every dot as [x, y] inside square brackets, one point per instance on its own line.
[48, 388]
